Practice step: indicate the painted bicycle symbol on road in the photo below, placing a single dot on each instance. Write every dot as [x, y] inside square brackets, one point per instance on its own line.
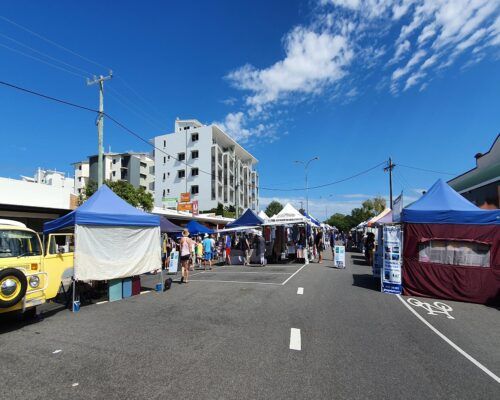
[432, 309]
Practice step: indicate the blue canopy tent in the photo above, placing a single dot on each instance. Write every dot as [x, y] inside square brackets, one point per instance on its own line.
[247, 219]
[451, 248]
[312, 219]
[443, 205]
[112, 238]
[167, 226]
[195, 228]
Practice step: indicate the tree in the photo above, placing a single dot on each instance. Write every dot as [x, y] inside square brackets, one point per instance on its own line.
[273, 208]
[340, 221]
[136, 197]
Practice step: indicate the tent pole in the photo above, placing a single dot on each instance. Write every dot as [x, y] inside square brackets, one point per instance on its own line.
[73, 295]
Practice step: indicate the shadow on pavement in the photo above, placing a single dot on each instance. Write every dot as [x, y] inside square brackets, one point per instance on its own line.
[366, 281]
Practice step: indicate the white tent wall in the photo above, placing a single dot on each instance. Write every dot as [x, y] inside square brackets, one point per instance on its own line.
[112, 252]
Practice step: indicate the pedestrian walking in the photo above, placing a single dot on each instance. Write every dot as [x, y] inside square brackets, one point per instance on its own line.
[261, 247]
[207, 251]
[319, 242]
[227, 249]
[199, 252]
[185, 245]
[245, 246]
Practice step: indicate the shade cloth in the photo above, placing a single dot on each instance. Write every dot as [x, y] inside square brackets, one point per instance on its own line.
[195, 228]
[248, 218]
[167, 226]
[443, 205]
[103, 208]
[380, 216]
[111, 252]
[463, 283]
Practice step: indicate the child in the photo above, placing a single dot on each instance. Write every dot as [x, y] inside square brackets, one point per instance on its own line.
[199, 252]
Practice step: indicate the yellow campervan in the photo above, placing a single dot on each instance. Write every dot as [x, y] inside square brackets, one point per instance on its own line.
[29, 274]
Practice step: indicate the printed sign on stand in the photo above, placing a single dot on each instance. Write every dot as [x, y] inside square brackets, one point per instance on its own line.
[174, 262]
[391, 270]
[339, 256]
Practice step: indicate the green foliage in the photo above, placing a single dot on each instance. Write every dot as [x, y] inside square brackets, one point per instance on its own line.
[369, 208]
[273, 208]
[229, 212]
[137, 197]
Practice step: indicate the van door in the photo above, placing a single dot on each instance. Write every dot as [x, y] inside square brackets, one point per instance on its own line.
[58, 261]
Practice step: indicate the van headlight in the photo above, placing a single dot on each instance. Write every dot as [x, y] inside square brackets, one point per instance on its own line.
[34, 281]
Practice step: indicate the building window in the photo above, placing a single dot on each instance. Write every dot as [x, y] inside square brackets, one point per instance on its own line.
[164, 143]
[181, 173]
[80, 167]
[164, 176]
[194, 171]
[194, 154]
[114, 160]
[164, 160]
[194, 189]
[194, 137]
[168, 191]
[114, 173]
[163, 193]
[453, 252]
[80, 179]
[181, 156]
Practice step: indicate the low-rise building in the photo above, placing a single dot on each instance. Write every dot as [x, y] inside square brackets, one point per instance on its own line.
[206, 162]
[481, 184]
[133, 167]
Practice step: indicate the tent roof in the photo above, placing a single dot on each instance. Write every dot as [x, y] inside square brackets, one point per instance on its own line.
[195, 228]
[103, 208]
[167, 226]
[263, 215]
[288, 215]
[377, 218]
[312, 219]
[248, 218]
[442, 205]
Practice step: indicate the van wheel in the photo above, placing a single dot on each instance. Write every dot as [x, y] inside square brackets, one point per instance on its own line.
[13, 285]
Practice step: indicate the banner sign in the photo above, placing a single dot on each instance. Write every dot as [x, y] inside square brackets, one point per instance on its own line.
[195, 209]
[378, 259]
[339, 257]
[185, 197]
[185, 207]
[174, 262]
[397, 208]
[169, 202]
[391, 270]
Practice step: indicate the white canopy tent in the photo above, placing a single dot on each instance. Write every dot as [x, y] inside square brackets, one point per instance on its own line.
[288, 215]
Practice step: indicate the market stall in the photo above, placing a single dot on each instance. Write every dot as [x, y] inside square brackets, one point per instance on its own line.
[451, 248]
[286, 235]
[113, 239]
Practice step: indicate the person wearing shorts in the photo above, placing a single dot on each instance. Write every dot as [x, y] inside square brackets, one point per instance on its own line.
[207, 251]
[228, 249]
[185, 248]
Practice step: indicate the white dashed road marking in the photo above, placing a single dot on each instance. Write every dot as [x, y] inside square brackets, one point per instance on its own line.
[56, 351]
[300, 290]
[462, 352]
[295, 341]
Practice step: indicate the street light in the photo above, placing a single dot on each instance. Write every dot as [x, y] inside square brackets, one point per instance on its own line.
[306, 166]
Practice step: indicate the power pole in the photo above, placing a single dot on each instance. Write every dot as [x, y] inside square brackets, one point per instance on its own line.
[100, 124]
[389, 168]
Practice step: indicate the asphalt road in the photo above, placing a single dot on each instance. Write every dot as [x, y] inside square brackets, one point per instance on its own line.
[227, 335]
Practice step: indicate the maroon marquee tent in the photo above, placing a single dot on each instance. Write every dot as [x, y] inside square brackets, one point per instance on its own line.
[451, 248]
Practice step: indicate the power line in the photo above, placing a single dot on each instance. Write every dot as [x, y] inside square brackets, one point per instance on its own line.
[138, 136]
[426, 170]
[41, 60]
[46, 55]
[53, 43]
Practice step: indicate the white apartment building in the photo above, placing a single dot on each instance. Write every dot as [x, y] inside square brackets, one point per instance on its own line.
[135, 168]
[50, 177]
[218, 169]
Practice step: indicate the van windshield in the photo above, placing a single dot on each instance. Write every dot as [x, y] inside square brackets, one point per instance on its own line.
[15, 243]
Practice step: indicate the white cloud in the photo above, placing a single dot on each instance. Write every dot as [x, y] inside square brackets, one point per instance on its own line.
[235, 124]
[313, 61]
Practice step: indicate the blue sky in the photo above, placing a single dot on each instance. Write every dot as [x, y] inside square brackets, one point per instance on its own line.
[350, 81]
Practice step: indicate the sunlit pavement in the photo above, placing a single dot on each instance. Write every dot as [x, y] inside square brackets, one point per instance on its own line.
[280, 332]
